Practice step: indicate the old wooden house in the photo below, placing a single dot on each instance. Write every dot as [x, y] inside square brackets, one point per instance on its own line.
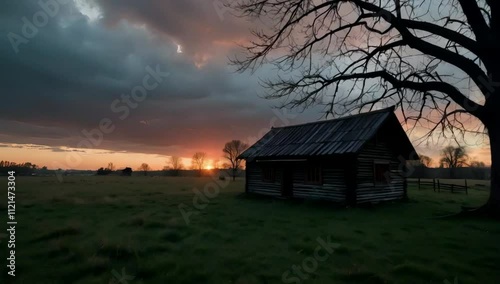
[355, 159]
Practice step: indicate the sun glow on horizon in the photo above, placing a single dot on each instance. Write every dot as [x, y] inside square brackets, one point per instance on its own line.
[66, 158]
[209, 166]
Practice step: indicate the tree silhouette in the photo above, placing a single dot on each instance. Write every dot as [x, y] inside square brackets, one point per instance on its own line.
[175, 164]
[231, 151]
[453, 157]
[26, 168]
[477, 164]
[145, 168]
[216, 164]
[198, 161]
[437, 60]
[425, 160]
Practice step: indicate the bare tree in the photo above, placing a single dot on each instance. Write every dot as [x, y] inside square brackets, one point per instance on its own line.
[145, 168]
[454, 157]
[437, 60]
[216, 164]
[478, 169]
[111, 166]
[231, 151]
[175, 164]
[477, 164]
[425, 160]
[198, 161]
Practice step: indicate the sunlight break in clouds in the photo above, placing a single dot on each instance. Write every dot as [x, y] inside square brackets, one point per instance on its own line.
[89, 8]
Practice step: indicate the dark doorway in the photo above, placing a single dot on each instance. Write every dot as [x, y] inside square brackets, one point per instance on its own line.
[287, 182]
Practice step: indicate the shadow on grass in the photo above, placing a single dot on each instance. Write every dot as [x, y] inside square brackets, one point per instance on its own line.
[322, 204]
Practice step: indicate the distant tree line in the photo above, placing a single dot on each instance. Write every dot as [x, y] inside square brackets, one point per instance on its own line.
[454, 162]
[26, 168]
[450, 157]
[111, 169]
[199, 163]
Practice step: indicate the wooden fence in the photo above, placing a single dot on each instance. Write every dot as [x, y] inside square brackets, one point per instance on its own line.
[439, 186]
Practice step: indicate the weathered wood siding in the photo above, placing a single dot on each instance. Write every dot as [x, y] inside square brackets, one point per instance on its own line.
[257, 185]
[333, 187]
[367, 190]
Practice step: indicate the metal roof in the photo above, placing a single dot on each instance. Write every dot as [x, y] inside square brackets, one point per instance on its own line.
[329, 137]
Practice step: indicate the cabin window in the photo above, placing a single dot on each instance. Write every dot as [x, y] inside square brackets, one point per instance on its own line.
[268, 174]
[382, 173]
[313, 175]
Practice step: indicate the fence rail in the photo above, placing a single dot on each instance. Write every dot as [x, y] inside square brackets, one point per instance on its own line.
[439, 186]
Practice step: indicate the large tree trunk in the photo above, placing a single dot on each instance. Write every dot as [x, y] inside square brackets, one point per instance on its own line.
[491, 119]
[493, 205]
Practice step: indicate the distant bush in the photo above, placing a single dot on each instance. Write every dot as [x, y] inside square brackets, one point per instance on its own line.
[127, 172]
[103, 171]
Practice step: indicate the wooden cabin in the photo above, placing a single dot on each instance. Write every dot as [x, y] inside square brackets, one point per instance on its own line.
[355, 159]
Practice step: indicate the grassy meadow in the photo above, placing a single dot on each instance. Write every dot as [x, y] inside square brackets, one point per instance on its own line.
[131, 230]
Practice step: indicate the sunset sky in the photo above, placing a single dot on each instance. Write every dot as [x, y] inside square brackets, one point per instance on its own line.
[128, 82]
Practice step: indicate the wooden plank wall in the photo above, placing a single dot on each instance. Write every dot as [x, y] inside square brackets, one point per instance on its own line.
[367, 190]
[256, 185]
[333, 187]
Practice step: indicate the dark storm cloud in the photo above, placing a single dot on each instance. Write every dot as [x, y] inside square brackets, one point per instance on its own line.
[66, 77]
[200, 26]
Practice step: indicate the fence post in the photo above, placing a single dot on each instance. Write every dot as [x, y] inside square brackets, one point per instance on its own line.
[439, 186]
[434, 184]
[418, 183]
[466, 190]
[452, 187]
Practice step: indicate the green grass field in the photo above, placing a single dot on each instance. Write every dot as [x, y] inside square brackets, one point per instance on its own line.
[94, 229]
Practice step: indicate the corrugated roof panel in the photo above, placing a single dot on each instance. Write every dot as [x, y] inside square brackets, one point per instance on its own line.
[331, 137]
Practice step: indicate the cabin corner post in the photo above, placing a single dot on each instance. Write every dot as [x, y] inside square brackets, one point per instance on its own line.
[351, 173]
[246, 179]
